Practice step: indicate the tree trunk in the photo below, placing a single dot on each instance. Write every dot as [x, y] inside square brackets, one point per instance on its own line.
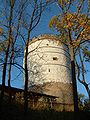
[9, 84]
[9, 72]
[7, 52]
[4, 71]
[26, 80]
[87, 88]
[74, 80]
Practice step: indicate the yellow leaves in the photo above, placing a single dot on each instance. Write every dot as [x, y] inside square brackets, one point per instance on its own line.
[88, 28]
[84, 36]
[64, 22]
[88, 37]
[82, 33]
[12, 2]
[80, 21]
[1, 30]
[3, 46]
[69, 16]
[69, 24]
[85, 33]
[76, 21]
[53, 21]
[78, 24]
[60, 2]
[47, 1]
[63, 2]
[75, 43]
[68, 20]
[66, 1]
[83, 24]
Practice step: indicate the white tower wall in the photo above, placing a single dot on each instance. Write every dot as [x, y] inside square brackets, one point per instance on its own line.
[49, 68]
[48, 61]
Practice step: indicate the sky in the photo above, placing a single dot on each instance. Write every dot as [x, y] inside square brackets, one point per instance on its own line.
[42, 28]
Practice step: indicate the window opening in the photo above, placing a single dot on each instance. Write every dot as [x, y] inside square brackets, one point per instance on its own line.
[55, 58]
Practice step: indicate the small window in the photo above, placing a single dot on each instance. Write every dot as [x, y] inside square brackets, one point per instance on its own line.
[47, 44]
[49, 70]
[55, 58]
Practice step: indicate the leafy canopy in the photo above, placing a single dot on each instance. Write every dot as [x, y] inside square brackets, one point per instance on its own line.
[77, 24]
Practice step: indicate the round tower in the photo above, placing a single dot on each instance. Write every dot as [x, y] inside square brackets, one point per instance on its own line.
[49, 68]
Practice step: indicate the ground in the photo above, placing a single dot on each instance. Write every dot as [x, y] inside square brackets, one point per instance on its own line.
[16, 112]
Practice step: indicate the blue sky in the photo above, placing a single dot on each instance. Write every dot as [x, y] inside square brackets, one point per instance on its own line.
[42, 28]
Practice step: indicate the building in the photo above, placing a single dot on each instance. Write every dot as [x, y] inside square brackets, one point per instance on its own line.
[50, 71]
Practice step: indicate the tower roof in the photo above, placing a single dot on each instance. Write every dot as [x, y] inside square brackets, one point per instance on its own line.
[44, 36]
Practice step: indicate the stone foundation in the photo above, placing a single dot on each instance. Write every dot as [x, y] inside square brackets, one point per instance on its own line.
[63, 93]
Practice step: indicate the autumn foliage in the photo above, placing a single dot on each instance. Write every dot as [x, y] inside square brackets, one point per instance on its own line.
[78, 24]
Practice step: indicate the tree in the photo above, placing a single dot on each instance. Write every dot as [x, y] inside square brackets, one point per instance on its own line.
[37, 7]
[86, 105]
[81, 99]
[73, 26]
[8, 47]
[83, 103]
[10, 34]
